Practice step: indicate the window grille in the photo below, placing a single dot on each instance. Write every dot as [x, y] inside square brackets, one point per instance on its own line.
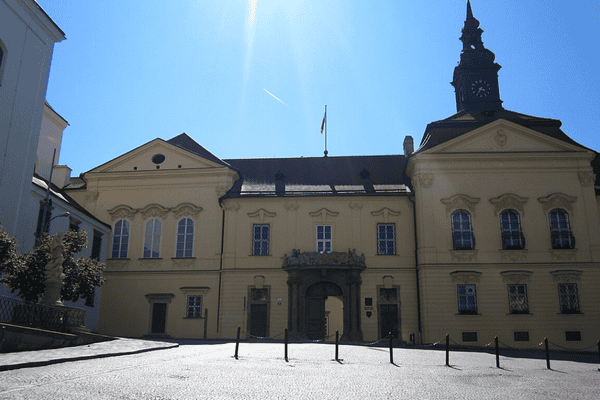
[521, 336]
[386, 239]
[568, 298]
[260, 240]
[517, 299]
[194, 306]
[467, 299]
[469, 336]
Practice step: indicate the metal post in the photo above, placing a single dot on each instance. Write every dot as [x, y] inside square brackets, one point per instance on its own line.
[497, 353]
[599, 351]
[286, 344]
[237, 343]
[391, 348]
[337, 343]
[547, 353]
[447, 350]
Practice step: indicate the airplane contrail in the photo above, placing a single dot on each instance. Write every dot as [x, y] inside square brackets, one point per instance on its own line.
[275, 97]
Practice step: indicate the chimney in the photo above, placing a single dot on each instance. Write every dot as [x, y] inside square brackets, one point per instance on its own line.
[409, 146]
[61, 176]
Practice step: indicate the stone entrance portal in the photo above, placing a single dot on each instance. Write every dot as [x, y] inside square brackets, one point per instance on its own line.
[315, 277]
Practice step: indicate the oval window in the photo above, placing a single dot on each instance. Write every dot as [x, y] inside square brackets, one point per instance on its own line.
[157, 159]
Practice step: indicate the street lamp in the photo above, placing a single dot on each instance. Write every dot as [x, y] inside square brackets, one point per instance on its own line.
[47, 226]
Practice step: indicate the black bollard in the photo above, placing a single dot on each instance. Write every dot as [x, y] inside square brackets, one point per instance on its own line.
[286, 344]
[599, 351]
[237, 343]
[391, 348]
[337, 343]
[547, 353]
[497, 353]
[447, 350]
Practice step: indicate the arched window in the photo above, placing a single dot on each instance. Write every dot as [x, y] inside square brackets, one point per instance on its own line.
[120, 239]
[462, 234]
[512, 237]
[152, 239]
[185, 238]
[560, 230]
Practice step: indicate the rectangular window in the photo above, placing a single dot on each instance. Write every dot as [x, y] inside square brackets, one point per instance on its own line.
[467, 299]
[568, 298]
[469, 336]
[386, 239]
[96, 245]
[74, 224]
[573, 336]
[323, 238]
[194, 307]
[260, 240]
[521, 336]
[517, 299]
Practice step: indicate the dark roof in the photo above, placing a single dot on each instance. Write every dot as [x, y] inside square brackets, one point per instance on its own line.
[316, 176]
[465, 121]
[189, 144]
[59, 193]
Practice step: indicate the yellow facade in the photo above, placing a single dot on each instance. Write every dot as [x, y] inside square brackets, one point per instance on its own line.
[490, 228]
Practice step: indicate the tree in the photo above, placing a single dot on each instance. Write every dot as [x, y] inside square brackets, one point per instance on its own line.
[10, 259]
[26, 274]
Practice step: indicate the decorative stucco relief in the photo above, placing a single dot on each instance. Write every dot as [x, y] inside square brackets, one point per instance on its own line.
[464, 255]
[291, 206]
[566, 275]
[221, 190]
[122, 211]
[460, 201]
[513, 255]
[230, 206]
[516, 276]
[333, 258]
[261, 214]
[186, 209]
[355, 206]
[154, 210]
[323, 213]
[425, 180]
[557, 200]
[586, 178]
[386, 213]
[465, 276]
[563, 254]
[509, 201]
[91, 197]
[500, 138]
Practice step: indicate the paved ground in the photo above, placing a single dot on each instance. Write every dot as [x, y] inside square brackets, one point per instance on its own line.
[207, 371]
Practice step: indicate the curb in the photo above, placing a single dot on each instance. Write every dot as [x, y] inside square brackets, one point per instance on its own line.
[34, 364]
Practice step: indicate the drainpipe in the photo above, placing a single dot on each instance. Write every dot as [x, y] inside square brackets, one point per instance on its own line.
[220, 269]
[412, 200]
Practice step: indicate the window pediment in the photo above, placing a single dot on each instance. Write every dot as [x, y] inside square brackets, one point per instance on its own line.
[460, 201]
[509, 201]
[324, 213]
[516, 276]
[465, 276]
[122, 211]
[557, 200]
[566, 275]
[187, 209]
[154, 210]
[261, 214]
[386, 213]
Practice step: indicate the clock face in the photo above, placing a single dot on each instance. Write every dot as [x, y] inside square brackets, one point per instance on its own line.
[480, 88]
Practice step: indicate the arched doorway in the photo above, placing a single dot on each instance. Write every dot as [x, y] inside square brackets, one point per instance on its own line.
[324, 308]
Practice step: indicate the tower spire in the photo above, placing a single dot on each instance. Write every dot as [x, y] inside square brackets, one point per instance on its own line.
[476, 76]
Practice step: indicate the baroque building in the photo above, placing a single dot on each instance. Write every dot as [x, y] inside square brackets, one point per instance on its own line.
[489, 228]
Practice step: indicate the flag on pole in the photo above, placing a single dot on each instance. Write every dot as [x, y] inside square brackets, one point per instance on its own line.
[323, 123]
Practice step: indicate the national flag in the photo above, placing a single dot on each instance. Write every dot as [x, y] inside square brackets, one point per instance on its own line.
[323, 123]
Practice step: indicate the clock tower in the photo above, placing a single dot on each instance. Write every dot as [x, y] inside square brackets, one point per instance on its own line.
[475, 78]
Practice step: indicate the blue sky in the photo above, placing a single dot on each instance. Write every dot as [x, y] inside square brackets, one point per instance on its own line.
[250, 79]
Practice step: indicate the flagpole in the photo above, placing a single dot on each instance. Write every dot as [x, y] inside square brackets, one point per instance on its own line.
[325, 152]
